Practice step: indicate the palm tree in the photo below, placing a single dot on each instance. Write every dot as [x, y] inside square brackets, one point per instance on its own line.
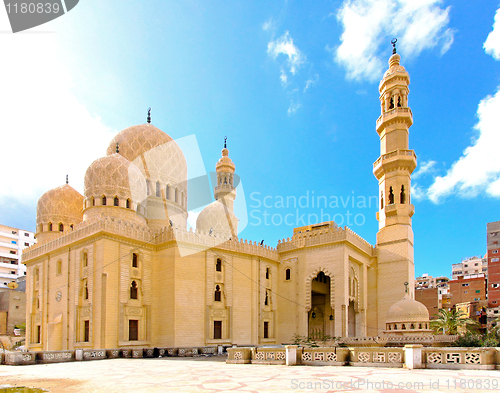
[451, 322]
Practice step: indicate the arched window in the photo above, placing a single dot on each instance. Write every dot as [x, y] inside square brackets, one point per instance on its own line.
[148, 187]
[395, 327]
[381, 199]
[104, 201]
[135, 260]
[287, 274]
[402, 195]
[167, 191]
[399, 101]
[128, 204]
[389, 327]
[61, 227]
[50, 227]
[217, 293]
[86, 291]
[391, 196]
[176, 196]
[158, 192]
[266, 300]
[85, 259]
[267, 273]
[391, 105]
[116, 201]
[403, 327]
[92, 201]
[218, 265]
[72, 226]
[59, 267]
[133, 290]
[412, 326]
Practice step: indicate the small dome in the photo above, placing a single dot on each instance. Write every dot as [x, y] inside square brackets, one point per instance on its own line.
[62, 204]
[114, 175]
[225, 164]
[219, 219]
[407, 310]
[136, 140]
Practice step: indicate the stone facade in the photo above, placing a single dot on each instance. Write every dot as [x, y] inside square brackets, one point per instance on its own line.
[123, 272]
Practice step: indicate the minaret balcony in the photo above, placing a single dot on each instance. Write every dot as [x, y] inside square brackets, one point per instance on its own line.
[396, 159]
[402, 114]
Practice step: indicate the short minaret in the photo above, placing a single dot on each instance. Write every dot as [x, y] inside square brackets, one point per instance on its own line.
[225, 190]
[393, 171]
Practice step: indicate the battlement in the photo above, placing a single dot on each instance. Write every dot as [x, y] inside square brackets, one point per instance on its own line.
[323, 237]
[150, 238]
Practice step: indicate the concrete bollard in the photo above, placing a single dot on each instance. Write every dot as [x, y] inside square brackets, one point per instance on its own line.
[79, 354]
[291, 355]
[413, 356]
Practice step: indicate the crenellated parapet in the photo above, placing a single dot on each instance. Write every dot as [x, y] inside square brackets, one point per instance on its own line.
[324, 237]
[144, 235]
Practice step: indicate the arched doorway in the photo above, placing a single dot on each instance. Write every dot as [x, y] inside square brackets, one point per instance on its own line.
[320, 317]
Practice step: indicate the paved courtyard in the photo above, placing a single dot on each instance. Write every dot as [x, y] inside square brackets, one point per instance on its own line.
[214, 375]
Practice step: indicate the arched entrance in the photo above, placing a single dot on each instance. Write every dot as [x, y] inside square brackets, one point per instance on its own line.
[320, 317]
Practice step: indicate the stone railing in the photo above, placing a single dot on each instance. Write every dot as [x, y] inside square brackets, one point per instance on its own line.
[327, 356]
[268, 355]
[392, 113]
[364, 341]
[460, 358]
[376, 357]
[394, 153]
[430, 340]
[324, 236]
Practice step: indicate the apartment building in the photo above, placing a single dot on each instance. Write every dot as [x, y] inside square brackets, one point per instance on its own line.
[12, 243]
[493, 258]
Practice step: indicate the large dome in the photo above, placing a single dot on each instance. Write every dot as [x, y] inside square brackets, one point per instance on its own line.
[155, 153]
[60, 205]
[114, 176]
[219, 219]
[407, 310]
[136, 140]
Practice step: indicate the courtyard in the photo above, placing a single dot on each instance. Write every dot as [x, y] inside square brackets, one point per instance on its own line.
[212, 374]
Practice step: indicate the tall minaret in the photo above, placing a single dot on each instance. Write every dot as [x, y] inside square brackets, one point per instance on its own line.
[393, 171]
[225, 190]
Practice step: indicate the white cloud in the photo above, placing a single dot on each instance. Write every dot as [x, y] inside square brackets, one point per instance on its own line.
[284, 46]
[268, 24]
[311, 82]
[479, 167]
[293, 108]
[283, 77]
[417, 193]
[46, 132]
[418, 25]
[424, 168]
[492, 44]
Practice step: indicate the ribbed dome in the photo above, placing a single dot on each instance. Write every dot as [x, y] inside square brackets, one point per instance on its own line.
[114, 175]
[407, 310]
[218, 218]
[155, 153]
[62, 204]
[136, 140]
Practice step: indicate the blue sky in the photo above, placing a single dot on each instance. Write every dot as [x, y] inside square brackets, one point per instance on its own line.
[294, 86]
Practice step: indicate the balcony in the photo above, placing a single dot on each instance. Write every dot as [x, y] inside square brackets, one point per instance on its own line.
[404, 113]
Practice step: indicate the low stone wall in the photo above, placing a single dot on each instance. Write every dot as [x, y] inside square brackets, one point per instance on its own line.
[19, 358]
[94, 354]
[239, 355]
[268, 355]
[460, 358]
[376, 357]
[55, 356]
[327, 356]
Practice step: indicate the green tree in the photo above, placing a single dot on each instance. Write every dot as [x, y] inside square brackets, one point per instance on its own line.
[451, 322]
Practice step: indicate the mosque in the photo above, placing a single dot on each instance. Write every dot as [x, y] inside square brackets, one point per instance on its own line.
[117, 266]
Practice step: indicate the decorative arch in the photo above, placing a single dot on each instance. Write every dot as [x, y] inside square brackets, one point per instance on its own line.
[356, 298]
[308, 287]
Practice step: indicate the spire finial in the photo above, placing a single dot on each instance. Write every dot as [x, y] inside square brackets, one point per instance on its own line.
[149, 115]
[406, 286]
[66, 179]
[117, 147]
[393, 42]
[225, 142]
